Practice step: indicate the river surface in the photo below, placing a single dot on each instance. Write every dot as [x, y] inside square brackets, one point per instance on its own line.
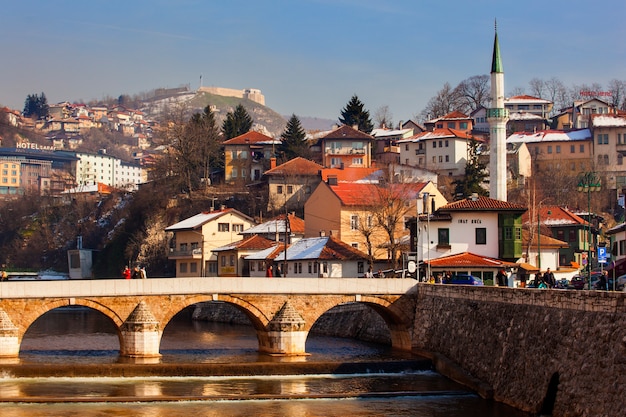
[70, 336]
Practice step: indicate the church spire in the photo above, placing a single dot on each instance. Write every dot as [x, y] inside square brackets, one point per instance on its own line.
[496, 60]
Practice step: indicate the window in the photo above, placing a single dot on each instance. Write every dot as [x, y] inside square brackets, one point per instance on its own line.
[508, 233]
[279, 189]
[183, 267]
[549, 149]
[355, 245]
[369, 221]
[234, 173]
[558, 148]
[572, 236]
[447, 158]
[462, 126]
[441, 144]
[572, 149]
[299, 267]
[582, 148]
[223, 227]
[290, 189]
[354, 222]
[440, 158]
[603, 138]
[360, 267]
[193, 267]
[406, 147]
[619, 138]
[183, 247]
[223, 259]
[261, 266]
[238, 227]
[232, 260]
[443, 237]
[252, 267]
[357, 161]
[310, 267]
[620, 159]
[447, 142]
[434, 144]
[606, 159]
[481, 236]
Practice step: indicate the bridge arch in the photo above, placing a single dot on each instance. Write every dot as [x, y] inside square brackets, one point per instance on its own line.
[50, 305]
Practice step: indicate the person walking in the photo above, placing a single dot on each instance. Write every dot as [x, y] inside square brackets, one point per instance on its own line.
[126, 273]
[142, 272]
[501, 278]
[548, 278]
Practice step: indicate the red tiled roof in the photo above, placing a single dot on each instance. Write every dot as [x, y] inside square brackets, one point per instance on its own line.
[363, 194]
[481, 203]
[442, 133]
[249, 138]
[468, 260]
[255, 242]
[296, 224]
[544, 242]
[347, 132]
[348, 174]
[454, 115]
[555, 216]
[524, 97]
[299, 165]
[336, 249]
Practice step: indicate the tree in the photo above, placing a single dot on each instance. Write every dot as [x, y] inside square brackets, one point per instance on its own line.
[36, 106]
[236, 123]
[474, 177]
[472, 93]
[354, 114]
[194, 146]
[441, 104]
[383, 117]
[617, 89]
[294, 140]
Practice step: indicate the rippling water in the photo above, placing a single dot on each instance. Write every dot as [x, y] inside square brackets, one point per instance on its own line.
[69, 336]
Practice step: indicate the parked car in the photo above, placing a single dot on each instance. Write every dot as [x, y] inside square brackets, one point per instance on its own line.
[464, 279]
[577, 283]
[620, 282]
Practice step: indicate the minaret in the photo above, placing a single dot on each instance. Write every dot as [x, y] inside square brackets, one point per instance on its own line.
[497, 116]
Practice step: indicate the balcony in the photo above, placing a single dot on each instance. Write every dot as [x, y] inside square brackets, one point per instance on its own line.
[185, 254]
[345, 151]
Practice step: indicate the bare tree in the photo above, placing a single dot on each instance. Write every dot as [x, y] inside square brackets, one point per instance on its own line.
[557, 94]
[617, 88]
[441, 104]
[517, 91]
[383, 117]
[537, 87]
[472, 93]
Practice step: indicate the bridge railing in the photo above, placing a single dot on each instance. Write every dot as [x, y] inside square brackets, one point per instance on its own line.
[204, 285]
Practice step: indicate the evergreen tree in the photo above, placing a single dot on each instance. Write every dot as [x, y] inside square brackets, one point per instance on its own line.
[36, 106]
[354, 114]
[294, 140]
[475, 175]
[236, 123]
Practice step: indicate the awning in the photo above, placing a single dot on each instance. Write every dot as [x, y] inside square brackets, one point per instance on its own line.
[527, 267]
[619, 266]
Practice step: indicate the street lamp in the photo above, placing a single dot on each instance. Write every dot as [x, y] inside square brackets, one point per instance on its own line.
[589, 182]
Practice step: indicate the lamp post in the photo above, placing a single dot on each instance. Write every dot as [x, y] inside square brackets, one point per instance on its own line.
[589, 182]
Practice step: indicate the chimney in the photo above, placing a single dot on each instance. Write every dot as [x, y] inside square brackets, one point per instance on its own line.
[272, 163]
[332, 180]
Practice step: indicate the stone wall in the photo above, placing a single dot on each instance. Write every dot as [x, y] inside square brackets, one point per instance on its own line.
[537, 350]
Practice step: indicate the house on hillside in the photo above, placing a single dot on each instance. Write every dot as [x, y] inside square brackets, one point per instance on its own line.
[193, 239]
[386, 148]
[248, 156]
[609, 148]
[325, 257]
[564, 225]
[479, 225]
[353, 212]
[444, 150]
[277, 228]
[231, 257]
[454, 120]
[346, 147]
[291, 184]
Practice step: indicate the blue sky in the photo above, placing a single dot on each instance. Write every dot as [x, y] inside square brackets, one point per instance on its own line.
[308, 57]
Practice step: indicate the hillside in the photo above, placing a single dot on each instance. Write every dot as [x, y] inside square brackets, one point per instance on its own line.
[266, 120]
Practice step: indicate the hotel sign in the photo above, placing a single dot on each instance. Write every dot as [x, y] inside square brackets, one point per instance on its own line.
[28, 145]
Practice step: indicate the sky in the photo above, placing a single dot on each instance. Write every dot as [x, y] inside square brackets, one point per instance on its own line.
[308, 57]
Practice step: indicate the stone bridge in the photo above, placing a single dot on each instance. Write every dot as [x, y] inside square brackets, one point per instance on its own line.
[282, 310]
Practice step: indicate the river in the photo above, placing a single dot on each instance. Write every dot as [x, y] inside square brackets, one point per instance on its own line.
[80, 336]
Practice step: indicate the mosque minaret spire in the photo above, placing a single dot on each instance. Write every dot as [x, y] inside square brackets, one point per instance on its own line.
[497, 116]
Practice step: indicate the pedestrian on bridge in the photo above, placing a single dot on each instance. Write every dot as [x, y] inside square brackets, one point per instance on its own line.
[126, 273]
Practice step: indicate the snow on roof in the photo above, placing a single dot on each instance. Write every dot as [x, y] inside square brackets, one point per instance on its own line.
[525, 99]
[608, 120]
[310, 248]
[550, 136]
[524, 116]
[263, 254]
[197, 220]
[381, 133]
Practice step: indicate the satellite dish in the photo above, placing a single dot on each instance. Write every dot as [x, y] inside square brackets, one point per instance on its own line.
[411, 266]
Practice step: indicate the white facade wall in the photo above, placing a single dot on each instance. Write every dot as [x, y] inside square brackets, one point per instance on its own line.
[102, 168]
[462, 231]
